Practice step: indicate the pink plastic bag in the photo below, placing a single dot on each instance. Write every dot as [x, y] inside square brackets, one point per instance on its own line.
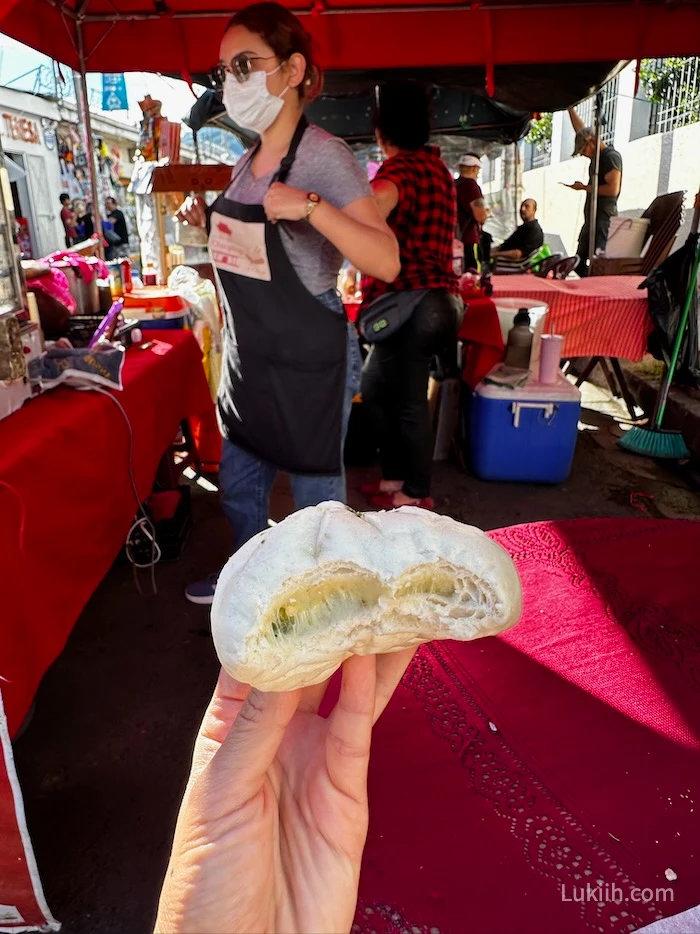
[55, 284]
[85, 269]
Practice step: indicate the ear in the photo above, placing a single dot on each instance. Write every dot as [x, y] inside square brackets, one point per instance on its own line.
[296, 69]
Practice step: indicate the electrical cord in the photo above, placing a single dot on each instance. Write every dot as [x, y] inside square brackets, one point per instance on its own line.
[143, 525]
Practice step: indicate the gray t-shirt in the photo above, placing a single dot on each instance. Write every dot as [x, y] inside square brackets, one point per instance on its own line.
[326, 165]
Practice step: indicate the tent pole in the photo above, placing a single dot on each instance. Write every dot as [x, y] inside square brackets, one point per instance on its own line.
[593, 206]
[84, 108]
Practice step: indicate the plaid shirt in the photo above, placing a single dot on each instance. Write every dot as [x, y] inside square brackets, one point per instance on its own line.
[423, 221]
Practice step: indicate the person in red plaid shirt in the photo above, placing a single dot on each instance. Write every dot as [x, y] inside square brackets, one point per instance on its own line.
[416, 193]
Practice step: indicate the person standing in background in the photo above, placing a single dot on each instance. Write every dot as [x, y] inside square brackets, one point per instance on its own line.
[83, 220]
[416, 194]
[68, 220]
[118, 237]
[291, 362]
[609, 185]
[471, 209]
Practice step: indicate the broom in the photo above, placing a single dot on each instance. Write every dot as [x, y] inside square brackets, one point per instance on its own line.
[653, 440]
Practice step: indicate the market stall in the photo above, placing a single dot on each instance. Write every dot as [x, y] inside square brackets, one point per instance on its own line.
[68, 502]
[598, 317]
[540, 782]
[603, 318]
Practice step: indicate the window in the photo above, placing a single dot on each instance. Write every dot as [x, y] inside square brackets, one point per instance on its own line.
[672, 85]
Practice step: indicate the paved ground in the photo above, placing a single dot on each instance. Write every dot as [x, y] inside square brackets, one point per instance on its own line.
[105, 758]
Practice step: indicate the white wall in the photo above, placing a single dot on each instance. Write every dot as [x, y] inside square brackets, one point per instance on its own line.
[41, 163]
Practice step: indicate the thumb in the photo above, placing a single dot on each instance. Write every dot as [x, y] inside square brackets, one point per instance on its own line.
[252, 743]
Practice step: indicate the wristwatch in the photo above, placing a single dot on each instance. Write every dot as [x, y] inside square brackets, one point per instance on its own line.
[312, 199]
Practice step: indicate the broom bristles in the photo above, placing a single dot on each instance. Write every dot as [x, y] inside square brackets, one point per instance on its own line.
[655, 442]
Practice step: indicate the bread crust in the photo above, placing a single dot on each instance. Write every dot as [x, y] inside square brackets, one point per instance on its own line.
[326, 583]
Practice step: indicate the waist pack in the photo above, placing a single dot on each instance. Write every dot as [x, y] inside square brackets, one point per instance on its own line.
[386, 314]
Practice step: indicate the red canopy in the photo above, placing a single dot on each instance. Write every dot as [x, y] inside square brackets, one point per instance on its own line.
[183, 35]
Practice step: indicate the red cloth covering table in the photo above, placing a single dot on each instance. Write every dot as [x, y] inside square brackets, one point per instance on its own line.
[67, 502]
[600, 316]
[508, 773]
[480, 333]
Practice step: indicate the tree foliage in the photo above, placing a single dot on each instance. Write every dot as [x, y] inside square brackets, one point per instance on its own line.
[673, 82]
[540, 133]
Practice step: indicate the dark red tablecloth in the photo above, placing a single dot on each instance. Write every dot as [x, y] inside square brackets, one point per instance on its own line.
[509, 773]
[68, 504]
[480, 333]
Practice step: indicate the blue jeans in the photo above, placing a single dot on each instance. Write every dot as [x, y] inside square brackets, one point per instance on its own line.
[246, 481]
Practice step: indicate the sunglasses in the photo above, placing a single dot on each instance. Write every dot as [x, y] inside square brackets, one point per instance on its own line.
[241, 68]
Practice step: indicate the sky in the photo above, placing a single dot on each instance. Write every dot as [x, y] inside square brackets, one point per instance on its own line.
[17, 59]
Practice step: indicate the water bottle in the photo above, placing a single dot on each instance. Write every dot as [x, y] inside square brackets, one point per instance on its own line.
[519, 344]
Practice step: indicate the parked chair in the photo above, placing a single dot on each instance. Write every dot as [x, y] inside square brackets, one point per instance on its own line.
[516, 267]
[665, 215]
[557, 267]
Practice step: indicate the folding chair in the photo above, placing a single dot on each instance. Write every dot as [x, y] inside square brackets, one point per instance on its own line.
[516, 267]
[665, 215]
[559, 267]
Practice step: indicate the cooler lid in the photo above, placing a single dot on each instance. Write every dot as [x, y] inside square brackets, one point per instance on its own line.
[532, 391]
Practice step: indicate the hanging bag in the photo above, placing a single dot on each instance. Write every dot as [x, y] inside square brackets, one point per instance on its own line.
[386, 314]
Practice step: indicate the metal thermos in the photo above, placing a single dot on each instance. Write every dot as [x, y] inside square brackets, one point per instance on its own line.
[519, 344]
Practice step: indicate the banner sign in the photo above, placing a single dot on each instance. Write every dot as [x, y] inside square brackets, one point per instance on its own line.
[114, 92]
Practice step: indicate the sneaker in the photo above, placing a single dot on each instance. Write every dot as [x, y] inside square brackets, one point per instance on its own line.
[202, 592]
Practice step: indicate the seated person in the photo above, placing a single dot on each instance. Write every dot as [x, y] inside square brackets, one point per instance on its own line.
[527, 238]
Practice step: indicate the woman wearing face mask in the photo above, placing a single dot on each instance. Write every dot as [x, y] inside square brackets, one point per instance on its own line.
[297, 204]
[415, 191]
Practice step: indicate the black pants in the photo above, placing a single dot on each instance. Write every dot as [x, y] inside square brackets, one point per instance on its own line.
[602, 226]
[395, 389]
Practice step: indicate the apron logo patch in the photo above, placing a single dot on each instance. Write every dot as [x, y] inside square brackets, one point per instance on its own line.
[239, 248]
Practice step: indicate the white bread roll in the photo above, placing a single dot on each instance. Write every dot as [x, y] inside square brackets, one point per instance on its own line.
[326, 583]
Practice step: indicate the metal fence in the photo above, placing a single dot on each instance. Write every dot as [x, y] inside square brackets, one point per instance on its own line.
[608, 111]
[680, 104]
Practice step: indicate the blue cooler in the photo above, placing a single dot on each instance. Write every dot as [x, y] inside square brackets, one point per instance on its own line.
[526, 434]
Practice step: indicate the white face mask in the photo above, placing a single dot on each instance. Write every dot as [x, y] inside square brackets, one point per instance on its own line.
[250, 104]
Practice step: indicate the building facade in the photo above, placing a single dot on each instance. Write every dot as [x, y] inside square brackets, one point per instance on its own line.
[28, 129]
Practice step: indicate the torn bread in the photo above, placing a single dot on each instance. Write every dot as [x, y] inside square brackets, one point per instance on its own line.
[326, 583]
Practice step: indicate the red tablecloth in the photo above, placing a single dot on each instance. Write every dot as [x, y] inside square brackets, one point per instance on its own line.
[480, 333]
[68, 504]
[604, 316]
[509, 773]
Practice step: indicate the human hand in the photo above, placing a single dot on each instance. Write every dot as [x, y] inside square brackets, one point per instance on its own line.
[578, 186]
[284, 203]
[193, 212]
[274, 819]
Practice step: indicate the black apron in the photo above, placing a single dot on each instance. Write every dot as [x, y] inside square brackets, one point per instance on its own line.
[283, 380]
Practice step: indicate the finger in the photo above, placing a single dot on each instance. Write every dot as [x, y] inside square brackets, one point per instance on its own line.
[227, 699]
[252, 743]
[390, 670]
[350, 727]
[219, 717]
[312, 696]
